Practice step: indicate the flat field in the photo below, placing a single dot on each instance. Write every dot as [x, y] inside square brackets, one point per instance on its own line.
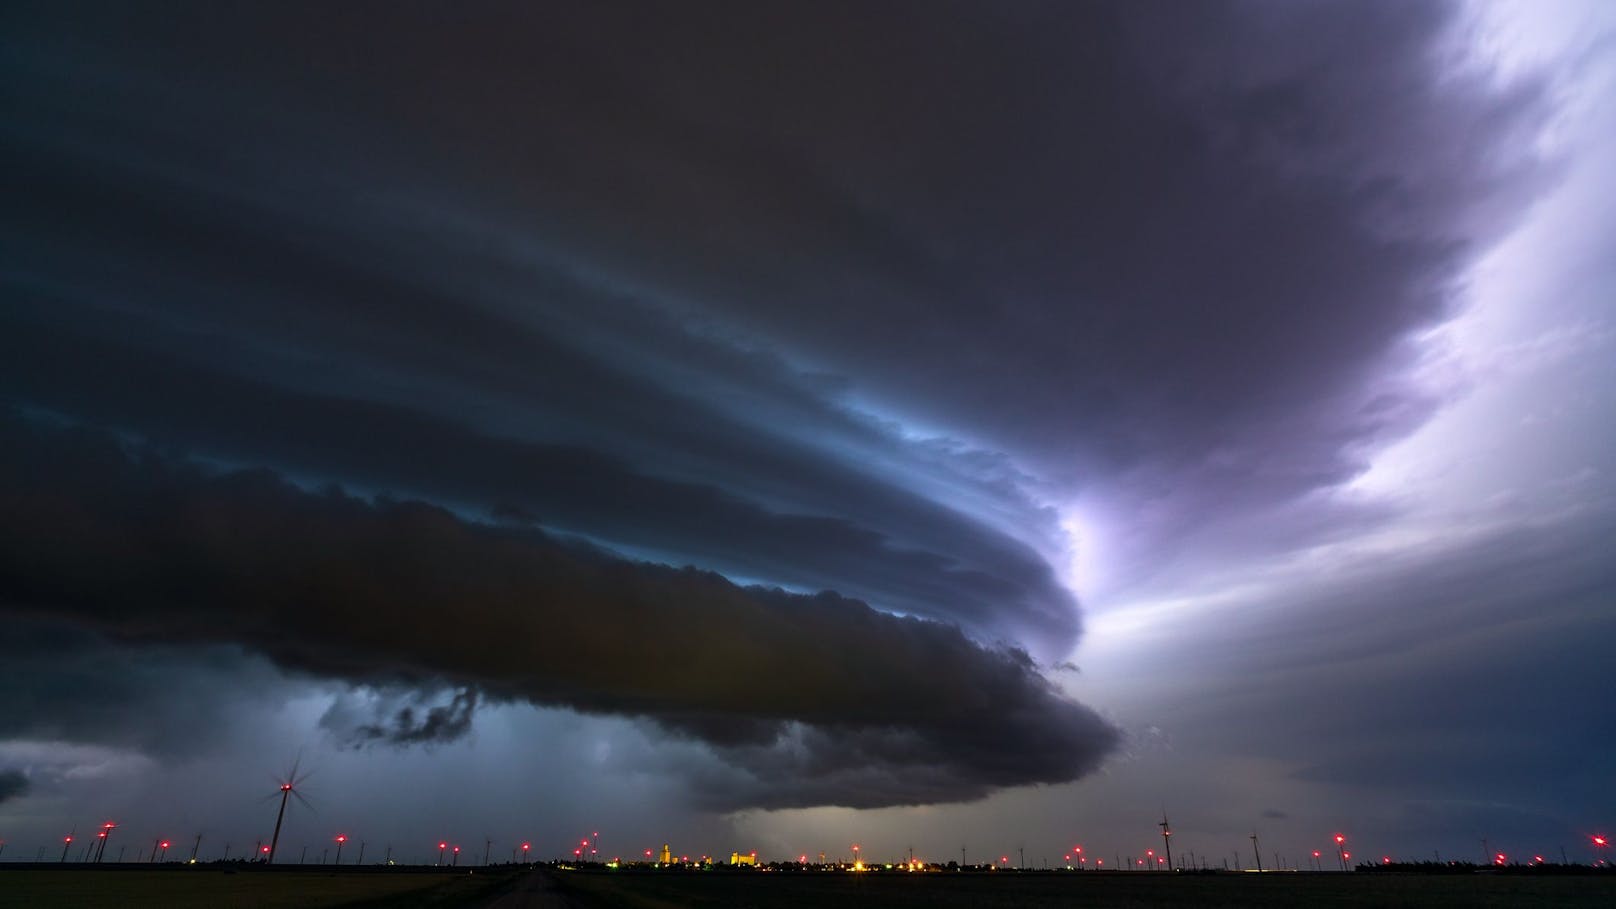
[1033, 891]
[208, 888]
[211, 888]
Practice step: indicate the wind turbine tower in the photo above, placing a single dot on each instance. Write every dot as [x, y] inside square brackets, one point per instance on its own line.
[1167, 842]
[287, 790]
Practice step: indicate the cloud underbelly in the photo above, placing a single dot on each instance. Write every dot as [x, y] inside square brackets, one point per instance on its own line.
[813, 699]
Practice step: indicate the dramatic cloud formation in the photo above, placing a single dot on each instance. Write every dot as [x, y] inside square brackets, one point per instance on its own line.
[415, 722]
[407, 593]
[566, 487]
[779, 374]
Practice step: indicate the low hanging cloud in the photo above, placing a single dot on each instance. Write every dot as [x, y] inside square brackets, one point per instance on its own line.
[817, 699]
[401, 718]
[13, 784]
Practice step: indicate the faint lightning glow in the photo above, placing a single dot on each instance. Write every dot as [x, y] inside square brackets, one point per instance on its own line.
[1079, 569]
[1512, 364]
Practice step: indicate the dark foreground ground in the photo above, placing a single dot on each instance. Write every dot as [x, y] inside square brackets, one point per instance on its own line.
[209, 887]
[1034, 891]
[183, 888]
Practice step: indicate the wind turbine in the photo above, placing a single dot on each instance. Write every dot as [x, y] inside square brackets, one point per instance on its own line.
[104, 835]
[1167, 843]
[288, 788]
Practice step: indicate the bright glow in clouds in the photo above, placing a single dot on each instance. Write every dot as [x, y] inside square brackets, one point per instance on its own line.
[1526, 369]
[1524, 356]
[1081, 565]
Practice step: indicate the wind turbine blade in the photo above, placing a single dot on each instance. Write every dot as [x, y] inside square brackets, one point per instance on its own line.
[303, 801]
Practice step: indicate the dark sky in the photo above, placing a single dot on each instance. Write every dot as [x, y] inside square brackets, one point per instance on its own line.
[785, 425]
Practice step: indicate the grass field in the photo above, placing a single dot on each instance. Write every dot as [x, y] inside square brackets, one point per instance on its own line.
[210, 888]
[1033, 891]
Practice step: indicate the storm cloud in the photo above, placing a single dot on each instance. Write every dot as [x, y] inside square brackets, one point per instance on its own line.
[1136, 265]
[13, 783]
[415, 722]
[778, 374]
[405, 593]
